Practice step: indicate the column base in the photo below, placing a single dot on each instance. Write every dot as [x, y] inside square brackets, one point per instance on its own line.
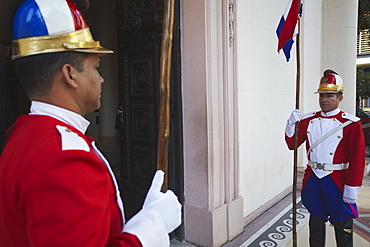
[216, 227]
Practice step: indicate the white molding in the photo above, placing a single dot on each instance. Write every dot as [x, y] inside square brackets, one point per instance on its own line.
[210, 123]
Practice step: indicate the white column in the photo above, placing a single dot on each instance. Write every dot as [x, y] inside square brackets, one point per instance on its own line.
[213, 206]
[340, 47]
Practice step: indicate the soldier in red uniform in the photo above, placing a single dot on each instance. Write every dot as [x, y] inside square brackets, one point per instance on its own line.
[336, 159]
[56, 188]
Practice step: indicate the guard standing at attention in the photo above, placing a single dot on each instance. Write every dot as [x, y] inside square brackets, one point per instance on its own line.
[336, 159]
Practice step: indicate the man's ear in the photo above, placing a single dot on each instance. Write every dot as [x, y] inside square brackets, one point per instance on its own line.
[340, 98]
[69, 73]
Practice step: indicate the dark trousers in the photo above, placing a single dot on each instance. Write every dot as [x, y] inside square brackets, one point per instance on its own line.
[343, 232]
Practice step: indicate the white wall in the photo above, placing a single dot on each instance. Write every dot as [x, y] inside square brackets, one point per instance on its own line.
[267, 85]
[266, 98]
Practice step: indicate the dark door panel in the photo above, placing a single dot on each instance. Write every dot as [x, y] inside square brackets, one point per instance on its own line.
[139, 39]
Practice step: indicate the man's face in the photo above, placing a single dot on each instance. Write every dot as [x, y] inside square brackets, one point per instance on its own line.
[90, 83]
[329, 101]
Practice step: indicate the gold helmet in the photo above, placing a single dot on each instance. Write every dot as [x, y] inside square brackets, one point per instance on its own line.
[331, 82]
[44, 26]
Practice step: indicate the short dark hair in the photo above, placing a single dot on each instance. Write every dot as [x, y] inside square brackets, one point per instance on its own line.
[37, 72]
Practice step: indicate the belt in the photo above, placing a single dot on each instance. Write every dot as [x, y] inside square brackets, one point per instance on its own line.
[328, 167]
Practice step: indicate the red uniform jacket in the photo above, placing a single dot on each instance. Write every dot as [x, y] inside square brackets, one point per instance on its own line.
[347, 145]
[51, 197]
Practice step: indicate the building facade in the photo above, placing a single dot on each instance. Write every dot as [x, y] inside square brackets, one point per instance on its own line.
[237, 93]
[234, 92]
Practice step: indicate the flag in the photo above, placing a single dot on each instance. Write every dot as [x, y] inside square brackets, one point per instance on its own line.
[287, 29]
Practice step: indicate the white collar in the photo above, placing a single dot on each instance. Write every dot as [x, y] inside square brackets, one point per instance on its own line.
[66, 116]
[330, 113]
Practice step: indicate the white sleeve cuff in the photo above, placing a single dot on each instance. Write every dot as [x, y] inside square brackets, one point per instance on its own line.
[149, 227]
[289, 129]
[351, 192]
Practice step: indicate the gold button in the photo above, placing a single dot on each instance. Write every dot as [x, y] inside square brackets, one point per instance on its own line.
[339, 137]
[334, 119]
[311, 150]
[311, 121]
[308, 132]
[319, 118]
[331, 153]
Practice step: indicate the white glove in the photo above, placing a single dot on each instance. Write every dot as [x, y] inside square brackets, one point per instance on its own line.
[295, 116]
[165, 204]
[149, 227]
[349, 200]
[350, 194]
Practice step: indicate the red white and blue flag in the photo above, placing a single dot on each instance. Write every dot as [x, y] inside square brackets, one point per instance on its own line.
[287, 29]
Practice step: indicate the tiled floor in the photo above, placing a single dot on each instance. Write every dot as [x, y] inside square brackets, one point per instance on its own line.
[361, 233]
[361, 225]
[273, 228]
[278, 232]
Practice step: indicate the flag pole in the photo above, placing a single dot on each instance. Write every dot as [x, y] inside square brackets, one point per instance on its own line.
[295, 166]
[164, 90]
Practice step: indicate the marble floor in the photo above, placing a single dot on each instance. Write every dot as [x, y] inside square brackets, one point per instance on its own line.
[274, 227]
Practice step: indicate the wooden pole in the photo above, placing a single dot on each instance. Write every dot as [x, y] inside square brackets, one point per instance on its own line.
[164, 89]
[298, 79]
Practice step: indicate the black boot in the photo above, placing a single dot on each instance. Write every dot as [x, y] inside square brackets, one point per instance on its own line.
[317, 231]
[344, 233]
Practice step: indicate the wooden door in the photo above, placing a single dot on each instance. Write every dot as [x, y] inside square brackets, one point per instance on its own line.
[139, 44]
